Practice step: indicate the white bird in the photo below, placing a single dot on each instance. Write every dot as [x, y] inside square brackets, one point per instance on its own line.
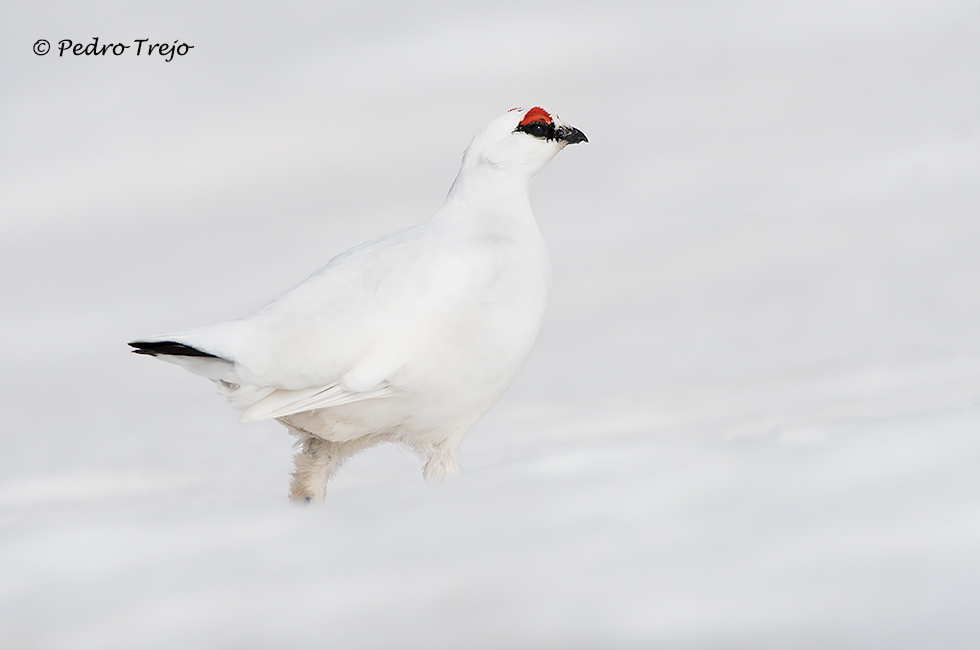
[409, 338]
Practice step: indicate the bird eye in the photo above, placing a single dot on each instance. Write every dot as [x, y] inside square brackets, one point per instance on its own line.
[537, 129]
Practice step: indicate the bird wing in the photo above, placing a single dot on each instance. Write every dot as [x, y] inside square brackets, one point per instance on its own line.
[281, 403]
[361, 317]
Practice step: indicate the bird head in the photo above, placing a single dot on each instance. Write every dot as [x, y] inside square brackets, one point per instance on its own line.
[522, 141]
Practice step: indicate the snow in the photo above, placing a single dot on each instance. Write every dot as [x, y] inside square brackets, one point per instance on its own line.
[752, 416]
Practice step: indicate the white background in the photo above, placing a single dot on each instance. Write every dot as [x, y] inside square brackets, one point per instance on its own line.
[752, 419]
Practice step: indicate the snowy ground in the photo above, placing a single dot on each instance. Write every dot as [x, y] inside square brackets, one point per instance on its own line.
[753, 416]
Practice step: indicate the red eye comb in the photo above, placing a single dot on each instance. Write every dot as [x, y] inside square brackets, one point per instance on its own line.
[536, 114]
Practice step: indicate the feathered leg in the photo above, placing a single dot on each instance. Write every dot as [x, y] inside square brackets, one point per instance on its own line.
[443, 460]
[317, 461]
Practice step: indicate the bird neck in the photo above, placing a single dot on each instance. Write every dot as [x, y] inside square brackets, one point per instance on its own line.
[482, 190]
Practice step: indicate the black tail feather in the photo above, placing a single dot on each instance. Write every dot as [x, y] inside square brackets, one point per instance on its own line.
[154, 348]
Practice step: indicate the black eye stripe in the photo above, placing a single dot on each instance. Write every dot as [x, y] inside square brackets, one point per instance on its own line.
[543, 130]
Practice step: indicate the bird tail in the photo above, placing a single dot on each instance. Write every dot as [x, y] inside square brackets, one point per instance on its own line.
[169, 348]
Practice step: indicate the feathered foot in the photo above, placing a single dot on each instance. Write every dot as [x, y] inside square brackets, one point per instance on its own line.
[315, 463]
[318, 460]
[443, 461]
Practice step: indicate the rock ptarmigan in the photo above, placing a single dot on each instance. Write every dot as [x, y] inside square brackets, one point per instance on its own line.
[409, 338]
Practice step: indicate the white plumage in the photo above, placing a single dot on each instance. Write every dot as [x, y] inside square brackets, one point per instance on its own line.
[409, 338]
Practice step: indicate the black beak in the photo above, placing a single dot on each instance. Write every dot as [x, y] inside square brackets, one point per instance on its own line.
[570, 134]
